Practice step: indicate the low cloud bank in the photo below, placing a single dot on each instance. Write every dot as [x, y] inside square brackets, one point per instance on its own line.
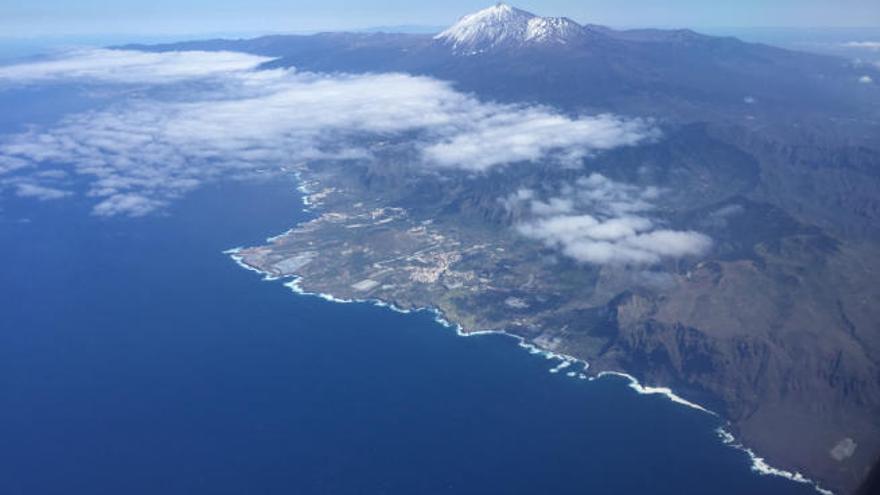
[601, 221]
[42, 193]
[142, 152]
[132, 67]
[867, 45]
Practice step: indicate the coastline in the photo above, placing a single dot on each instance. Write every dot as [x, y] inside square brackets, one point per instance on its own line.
[757, 463]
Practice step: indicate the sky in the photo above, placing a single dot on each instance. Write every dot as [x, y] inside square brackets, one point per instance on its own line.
[36, 18]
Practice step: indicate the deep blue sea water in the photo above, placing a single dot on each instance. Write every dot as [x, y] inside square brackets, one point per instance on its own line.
[136, 358]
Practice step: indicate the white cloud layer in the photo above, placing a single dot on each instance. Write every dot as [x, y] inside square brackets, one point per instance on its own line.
[142, 153]
[528, 134]
[601, 221]
[126, 66]
[867, 45]
[42, 193]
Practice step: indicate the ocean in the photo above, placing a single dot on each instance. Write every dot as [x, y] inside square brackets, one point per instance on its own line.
[136, 357]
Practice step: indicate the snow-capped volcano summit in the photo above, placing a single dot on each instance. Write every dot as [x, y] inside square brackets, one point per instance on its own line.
[502, 25]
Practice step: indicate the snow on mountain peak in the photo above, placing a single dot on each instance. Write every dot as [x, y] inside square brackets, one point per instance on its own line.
[552, 29]
[503, 25]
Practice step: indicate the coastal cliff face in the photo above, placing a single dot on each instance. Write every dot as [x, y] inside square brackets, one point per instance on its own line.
[733, 256]
[779, 361]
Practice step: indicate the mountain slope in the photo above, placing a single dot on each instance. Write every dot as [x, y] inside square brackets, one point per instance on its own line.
[781, 320]
[669, 74]
[503, 26]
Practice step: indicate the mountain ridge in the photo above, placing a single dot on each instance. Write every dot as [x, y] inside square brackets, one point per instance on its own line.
[503, 26]
[785, 138]
[683, 73]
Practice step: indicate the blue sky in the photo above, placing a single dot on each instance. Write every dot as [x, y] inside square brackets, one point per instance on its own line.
[57, 17]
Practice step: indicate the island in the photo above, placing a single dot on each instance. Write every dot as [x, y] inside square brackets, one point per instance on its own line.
[733, 257]
[770, 328]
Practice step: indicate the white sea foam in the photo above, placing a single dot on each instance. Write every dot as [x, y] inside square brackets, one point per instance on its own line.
[759, 465]
[294, 285]
[279, 236]
[561, 366]
[304, 194]
[664, 391]
[239, 260]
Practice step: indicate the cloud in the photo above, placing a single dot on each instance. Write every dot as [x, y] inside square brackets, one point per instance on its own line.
[552, 206]
[529, 134]
[866, 80]
[720, 217]
[727, 211]
[601, 221]
[142, 153]
[42, 193]
[52, 174]
[129, 204]
[868, 45]
[9, 164]
[126, 66]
